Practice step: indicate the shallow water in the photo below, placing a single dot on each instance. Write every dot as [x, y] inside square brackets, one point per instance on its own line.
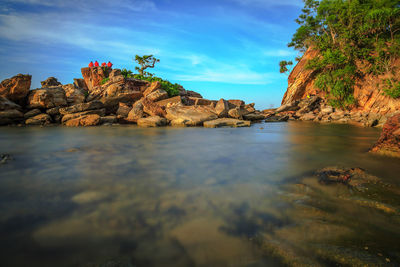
[188, 196]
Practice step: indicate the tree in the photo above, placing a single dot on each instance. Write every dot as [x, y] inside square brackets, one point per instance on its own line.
[146, 61]
[353, 37]
[283, 66]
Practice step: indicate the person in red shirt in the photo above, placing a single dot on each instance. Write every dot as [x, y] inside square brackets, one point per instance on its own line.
[96, 64]
[103, 64]
[109, 64]
[91, 64]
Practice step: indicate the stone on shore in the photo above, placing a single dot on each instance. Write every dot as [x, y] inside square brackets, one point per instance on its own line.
[112, 103]
[157, 95]
[108, 119]
[10, 116]
[191, 115]
[82, 107]
[222, 108]
[16, 88]
[154, 86]
[74, 95]
[389, 141]
[32, 113]
[253, 117]
[152, 108]
[67, 117]
[45, 98]
[153, 121]
[277, 118]
[41, 119]
[136, 112]
[123, 110]
[169, 101]
[222, 122]
[6, 104]
[85, 120]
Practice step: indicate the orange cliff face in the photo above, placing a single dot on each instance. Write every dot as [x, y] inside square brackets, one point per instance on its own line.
[368, 93]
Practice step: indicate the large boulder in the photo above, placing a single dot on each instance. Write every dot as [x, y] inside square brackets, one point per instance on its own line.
[222, 108]
[223, 122]
[198, 101]
[32, 113]
[236, 103]
[389, 141]
[118, 85]
[93, 77]
[6, 104]
[153, 121]
[238, 112]
[80, 83]
[176, 100]
[85, 120]
[49, 82]
[67, 117]
[123, 110]
[136, 112]
[16, 88]
[255, 116]
[10, 116]
[82, 107]
[154, 86]
[157, 95]
[41, 119]
[192, 94]
[47, 98]
[190, 115]
[74, 95]
[152, 108]
[112, 103]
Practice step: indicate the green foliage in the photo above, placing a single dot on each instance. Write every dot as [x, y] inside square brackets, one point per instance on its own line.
[353, 37]
[283, 66]
[104, 80]
[392, 88]
[126, 73]
[146, 61]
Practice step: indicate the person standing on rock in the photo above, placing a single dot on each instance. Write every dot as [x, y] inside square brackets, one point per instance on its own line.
[109, 64]
[91, 64]
[96, 64]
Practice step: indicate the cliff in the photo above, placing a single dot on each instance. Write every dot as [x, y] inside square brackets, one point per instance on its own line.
[367, 92]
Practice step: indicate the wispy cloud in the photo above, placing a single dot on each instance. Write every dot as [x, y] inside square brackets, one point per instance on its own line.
[269, 3]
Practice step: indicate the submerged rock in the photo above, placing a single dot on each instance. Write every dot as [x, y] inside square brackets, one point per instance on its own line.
[226, 122]
[4, 158]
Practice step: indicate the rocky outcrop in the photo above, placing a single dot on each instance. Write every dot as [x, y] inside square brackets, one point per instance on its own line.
[170, 101]
[82, 107]
[74, 94]
[47, 98]
[222, 108]
[153, 121]
[93, 77]
[49, 82]
[10, 116]
[152, 108]
[85, 120]
[16, 88]
[72, 116]
[6, 104]
[190, 115]
[224, 122]
[389, 141]
[41, 119]
[157, 95]
[136, 112]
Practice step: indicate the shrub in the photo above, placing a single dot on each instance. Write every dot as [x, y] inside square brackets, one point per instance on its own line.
[104, 81]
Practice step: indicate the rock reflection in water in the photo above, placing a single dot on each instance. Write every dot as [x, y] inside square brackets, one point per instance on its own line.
[186, 197]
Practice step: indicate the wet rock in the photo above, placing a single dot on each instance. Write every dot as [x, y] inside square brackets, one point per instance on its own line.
[74, 95]
[108, 119]
[16, 88]
[292, 106]
[32, 113]
[308, 116]
[82, 107]
[85, 120]
[45, 98]
[153, 121]
[253, 116]
[277, 118]
[136, 112]
[41, 119]
[192, 115]
[354, 177]
[10, 116]
[99, 112]
[49, 82]
[222, 122]
[6, 104]
[389, 141]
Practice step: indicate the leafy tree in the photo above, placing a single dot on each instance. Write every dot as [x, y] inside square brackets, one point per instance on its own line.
[283, 66]
[146, 61]
[353, 37]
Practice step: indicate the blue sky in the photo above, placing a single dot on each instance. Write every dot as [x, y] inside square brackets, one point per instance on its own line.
[220, 48]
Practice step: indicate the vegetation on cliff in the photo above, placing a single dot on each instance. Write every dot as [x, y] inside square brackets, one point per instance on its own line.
[354, 38]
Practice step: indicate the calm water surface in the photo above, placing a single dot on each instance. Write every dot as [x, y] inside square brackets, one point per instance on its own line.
[105, 196]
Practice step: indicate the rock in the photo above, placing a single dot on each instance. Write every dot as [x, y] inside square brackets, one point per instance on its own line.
[74, 95]
[236, 103]
[222, 108]
[226, 122]
[93, 77]
[80, 83]
[250, 107]
[6, 104]
[193, 94]
[114, 73]
[10, 116]
[123, 110]
[136, 112]
[237, 112]
[108, 119]
[53, 111]
[277, 118]
[154, 86]
[112, 103]
[157, 95]
[169, 101]
[16, 88]
[389, 141]
[354, 177]
[327, 110]
[152, 108]
[82, 107]
[308, 117]
[4, 158]
[153, 121]
[199, 101]
[292, 106]
[49, 82]
[191, 115]
[253, 116]
[85, 120]
[41, 119]
[67, 117]
[32, 113]
[47, 98]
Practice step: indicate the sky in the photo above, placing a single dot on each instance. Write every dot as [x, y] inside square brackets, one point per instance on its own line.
[220, 48]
